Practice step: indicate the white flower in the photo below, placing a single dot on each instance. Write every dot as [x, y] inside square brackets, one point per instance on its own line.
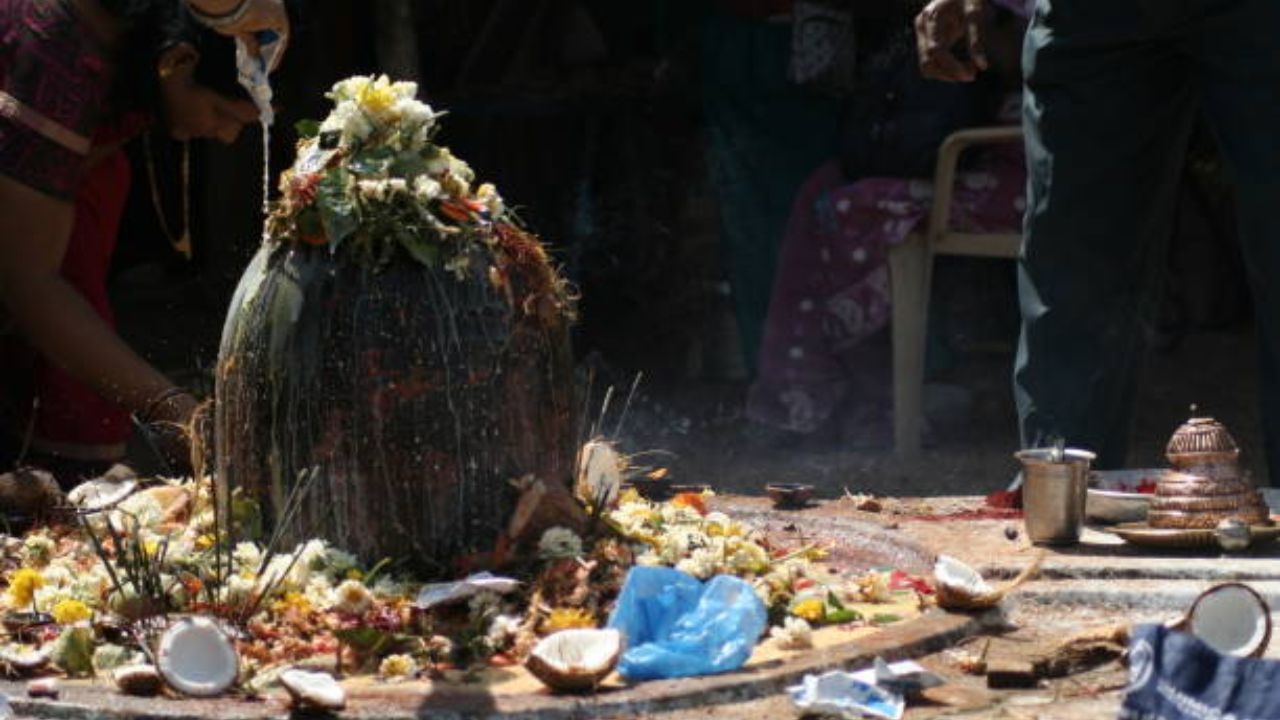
[397, 186]
[483, 604]
[749, 557]
[240, 590]
[649, 559]
[397, 667]
[246, 556]
[795, 634]
[388, 587]
[679, 515]
[319, 592]
[702, 564]
[337, 562]
[559, 542]
[460, 169]
[352, 597]
[503, 629]
[488, 195]
[349, 89]
[37, 550]
[413, 112]
[426, 188]
[350, 122]
[57, 575]
[874, 587]
[372, 189]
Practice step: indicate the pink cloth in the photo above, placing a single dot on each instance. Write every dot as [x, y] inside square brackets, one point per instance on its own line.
[832, 289]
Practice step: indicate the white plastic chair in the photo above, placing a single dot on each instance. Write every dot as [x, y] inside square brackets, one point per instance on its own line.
[911, 271]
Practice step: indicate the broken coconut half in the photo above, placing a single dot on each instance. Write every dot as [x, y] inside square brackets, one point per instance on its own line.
[141, 679]
[1231, 618]
[575, 660]
[314, 690]
[20, 663]
[197, 658]
[960, 587]
[599, 474]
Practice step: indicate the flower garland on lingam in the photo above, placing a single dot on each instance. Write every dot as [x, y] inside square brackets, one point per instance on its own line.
[371, 176]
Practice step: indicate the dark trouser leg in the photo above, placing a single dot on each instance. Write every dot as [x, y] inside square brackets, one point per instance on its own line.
[1239, 69]
[1108, 110]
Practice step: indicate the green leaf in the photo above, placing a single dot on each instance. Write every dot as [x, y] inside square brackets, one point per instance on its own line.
[885, 618]
[375, 161]
[338, 212]
[422, 249]
[408, 165]
[841, 615]
[363, 640]
[307, 128]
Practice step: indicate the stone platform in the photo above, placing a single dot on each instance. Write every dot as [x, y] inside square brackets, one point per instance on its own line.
[1101, 581]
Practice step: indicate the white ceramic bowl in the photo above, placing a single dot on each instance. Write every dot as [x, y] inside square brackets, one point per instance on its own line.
[1113, 495]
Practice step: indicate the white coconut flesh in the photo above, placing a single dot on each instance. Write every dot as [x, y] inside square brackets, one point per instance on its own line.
[197, 658]
[313, 689]
[956, 575]
[581, 650]
[599, 472]
[1232, 620]
[101, 493]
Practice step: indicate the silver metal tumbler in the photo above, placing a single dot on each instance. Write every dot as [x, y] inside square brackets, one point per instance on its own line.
[1055, 482]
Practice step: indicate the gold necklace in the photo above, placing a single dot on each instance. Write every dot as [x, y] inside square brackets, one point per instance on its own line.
[181, 243]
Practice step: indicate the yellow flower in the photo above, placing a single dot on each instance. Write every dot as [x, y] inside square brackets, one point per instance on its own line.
[378, 98]
[150, 547]
[812, 609]
[68, 612]
[292, 601]
[205, 541]
[23, 586]
[567, 619]
[355, 574]
[397, 666]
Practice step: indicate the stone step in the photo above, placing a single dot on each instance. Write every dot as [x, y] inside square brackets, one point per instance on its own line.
[1134, 594]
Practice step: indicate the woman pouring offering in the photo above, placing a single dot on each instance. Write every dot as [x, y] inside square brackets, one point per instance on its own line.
[78, 79]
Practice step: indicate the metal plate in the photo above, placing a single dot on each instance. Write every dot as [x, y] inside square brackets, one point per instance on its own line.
[1143, 534]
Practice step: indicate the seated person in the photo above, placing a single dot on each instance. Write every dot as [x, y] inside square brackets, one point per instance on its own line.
[831, 293]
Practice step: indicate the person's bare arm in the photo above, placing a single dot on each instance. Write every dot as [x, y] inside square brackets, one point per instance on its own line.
[942, 26]
[34, 230]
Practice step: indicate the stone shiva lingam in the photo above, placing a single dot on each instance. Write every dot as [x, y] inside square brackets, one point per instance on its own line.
[397, 353]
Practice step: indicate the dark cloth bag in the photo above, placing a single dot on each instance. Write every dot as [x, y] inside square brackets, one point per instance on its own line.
[1176, 676]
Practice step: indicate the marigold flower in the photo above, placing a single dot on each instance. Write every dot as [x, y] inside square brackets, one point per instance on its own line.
[812, 609]
[69, 612]
[23, 586]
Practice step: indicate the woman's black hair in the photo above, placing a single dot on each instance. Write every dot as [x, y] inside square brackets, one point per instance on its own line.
[151, 27]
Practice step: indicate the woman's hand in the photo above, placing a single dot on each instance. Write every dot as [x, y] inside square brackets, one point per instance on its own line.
[244, 19]
[194, 111]
[942, 26]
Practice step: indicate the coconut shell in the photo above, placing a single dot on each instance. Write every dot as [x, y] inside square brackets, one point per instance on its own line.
[575, 679]
[951, 597]
[142, 680]
[1185, 624]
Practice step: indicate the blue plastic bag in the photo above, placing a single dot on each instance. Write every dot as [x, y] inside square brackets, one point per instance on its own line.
[677, 626]
[1176, 676]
